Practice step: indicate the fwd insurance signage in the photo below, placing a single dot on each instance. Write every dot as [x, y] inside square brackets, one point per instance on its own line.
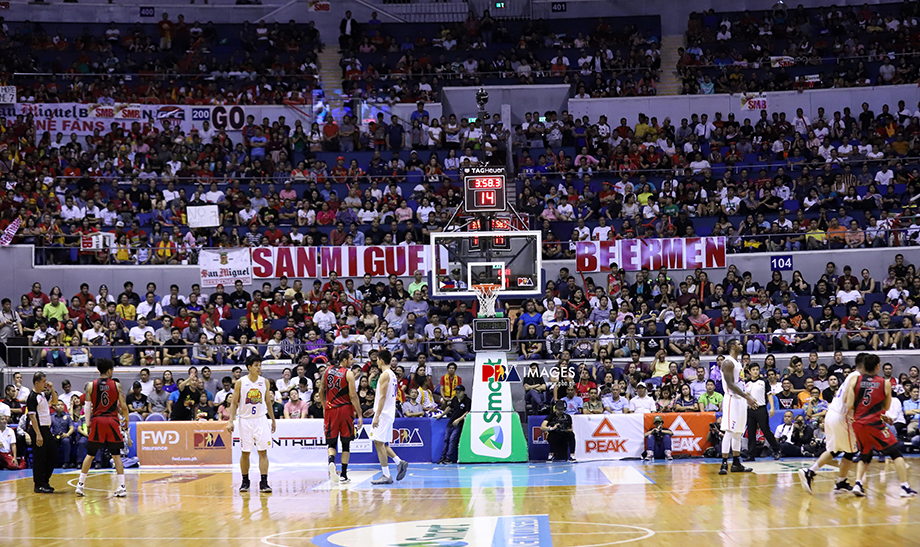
[492, 431]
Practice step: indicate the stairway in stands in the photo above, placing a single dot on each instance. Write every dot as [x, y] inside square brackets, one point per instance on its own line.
[670, 83]
[330, 74]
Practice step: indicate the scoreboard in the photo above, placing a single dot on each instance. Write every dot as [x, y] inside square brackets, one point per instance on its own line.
[484, 189]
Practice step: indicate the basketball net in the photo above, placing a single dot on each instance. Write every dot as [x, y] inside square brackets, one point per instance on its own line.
[487, 293]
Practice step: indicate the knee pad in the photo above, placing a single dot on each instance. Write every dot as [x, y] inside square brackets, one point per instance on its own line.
[849, 456]
[866, 457]
[332, 442]
[893, 452]
[346, 441]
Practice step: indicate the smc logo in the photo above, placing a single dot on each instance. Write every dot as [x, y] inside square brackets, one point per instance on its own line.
[201, 114]
[160, 437]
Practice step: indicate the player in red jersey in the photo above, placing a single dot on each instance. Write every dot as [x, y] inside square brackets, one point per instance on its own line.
[104, 401]
[340, 408]
[871, 399]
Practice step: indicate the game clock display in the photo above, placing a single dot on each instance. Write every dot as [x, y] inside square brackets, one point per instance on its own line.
[484, 189]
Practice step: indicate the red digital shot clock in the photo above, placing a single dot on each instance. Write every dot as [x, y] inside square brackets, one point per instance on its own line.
[484, 193]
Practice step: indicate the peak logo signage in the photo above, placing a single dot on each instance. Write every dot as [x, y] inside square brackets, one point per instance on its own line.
[608, 437]
[691, 430]
[498, 531]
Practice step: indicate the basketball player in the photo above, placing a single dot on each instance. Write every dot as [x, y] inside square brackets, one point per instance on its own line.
[734, 409]
[384, 415]
[103, 399]
[342, 406]
[838, 431]
[871, 399]
[254, 427]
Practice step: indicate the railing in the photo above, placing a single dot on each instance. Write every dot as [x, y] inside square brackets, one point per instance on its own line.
[757, 344]
[71, 253]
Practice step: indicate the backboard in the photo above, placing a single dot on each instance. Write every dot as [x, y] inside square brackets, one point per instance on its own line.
[510, 259]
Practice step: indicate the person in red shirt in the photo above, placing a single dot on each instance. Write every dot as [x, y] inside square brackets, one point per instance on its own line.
[450, 381]
[257, 307]
[279, 309]
[333, 284]
[165, 28]
[584, 384]
[273, 234]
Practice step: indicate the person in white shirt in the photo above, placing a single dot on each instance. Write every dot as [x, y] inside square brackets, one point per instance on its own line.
[71, 212]
[149, 308]
[214, 195]
[139, 331]
[601, 232]
[324, 318]
[642, 403]
[884, 176]
[801, 123]
[847, 294]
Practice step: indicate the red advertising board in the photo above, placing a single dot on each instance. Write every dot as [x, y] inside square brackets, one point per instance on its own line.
[691, 429]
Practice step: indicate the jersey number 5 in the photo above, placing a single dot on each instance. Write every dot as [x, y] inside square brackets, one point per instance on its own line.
[867, 397]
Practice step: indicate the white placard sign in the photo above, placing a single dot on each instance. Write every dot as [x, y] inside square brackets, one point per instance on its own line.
[7, 94]
[203, 216]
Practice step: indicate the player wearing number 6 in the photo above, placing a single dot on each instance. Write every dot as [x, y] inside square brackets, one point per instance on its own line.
[254, 401]
[104, 401]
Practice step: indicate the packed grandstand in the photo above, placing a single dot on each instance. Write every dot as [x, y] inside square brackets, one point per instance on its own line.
[772, 181]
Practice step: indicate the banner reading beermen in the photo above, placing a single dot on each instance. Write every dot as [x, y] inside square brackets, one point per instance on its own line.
[634, 254]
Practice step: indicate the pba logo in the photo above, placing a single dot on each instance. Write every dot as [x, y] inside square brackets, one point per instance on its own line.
[605, 439]
[206, 440]
[537, 436]
[525, 282]
[496, 371]
[493, 438]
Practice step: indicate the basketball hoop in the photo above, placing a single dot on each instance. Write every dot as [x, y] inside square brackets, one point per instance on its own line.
[487, 293]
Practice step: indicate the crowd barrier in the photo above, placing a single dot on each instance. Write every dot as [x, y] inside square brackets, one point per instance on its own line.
[417, 440]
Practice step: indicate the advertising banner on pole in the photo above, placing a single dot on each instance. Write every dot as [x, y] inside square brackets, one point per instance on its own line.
[492, 432]
[608, 436]
[183, 443]
[224, 267]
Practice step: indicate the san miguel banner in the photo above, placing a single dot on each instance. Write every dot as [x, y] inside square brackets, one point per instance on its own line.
[691, 430]
[608, 436]
[183, 443]
[634, 254]
[224, 267]
[84, 119]
[379, 261]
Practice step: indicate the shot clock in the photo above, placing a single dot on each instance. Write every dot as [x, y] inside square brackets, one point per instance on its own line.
[484, 189]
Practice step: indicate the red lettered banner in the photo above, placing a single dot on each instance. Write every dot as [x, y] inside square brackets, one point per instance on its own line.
[634, 254]
[376, 260]
[690, 430]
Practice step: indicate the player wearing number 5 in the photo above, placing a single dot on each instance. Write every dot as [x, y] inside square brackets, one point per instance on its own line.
[384, 416]
[104, 401]
[253, 399]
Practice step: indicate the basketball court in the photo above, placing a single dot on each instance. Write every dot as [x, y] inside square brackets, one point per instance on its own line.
[561, 505]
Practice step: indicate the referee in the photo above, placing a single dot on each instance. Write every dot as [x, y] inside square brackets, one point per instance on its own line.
[45, 451]
[756, 386]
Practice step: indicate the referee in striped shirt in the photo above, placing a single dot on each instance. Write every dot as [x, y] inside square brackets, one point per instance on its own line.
[756, 386]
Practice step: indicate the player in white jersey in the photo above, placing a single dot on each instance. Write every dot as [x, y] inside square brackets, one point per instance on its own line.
[384, 416]
[253, 398]
[734, 409]
[839, 436]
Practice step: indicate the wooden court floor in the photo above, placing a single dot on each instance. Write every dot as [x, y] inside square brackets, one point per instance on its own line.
[584, 504]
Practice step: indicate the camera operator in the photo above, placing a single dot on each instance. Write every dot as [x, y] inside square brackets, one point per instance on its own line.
[559, 434]
[658, 441]
[794, 435]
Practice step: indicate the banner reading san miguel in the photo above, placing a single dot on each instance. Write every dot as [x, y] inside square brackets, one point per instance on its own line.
[634, 254]
[301, 262]
[224, 267]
